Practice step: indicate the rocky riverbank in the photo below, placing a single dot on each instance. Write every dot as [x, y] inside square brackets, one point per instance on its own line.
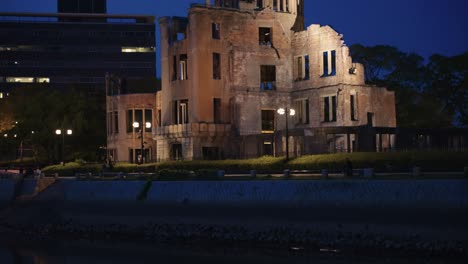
[259, 232]
[407, 217]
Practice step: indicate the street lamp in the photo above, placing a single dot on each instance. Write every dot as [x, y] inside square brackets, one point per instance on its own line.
[291, 112]
[58, 132]
[137, 125]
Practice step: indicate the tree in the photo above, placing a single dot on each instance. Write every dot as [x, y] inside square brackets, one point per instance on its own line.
[431, 95]
[42, 109]
[448, 85]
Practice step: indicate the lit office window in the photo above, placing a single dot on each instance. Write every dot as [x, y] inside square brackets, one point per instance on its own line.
[20, 79]
[137, 49]
[43, 80]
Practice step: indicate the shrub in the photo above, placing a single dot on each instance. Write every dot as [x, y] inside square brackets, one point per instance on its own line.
[166, 174]
[264, 163]
[71, 168]
[384, 161]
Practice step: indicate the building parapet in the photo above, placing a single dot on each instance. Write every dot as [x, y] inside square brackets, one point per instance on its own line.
[193, 129]
[56, 17]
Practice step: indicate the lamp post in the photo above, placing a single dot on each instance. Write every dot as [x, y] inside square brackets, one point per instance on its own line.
[286, 112]
[142, 149]
[62, 132]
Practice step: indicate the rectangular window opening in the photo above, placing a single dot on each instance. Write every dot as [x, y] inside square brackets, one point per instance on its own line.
[174, 68]
[329, 109]
[259, 3]
[149, 120]
[306, 67]
[352, 104]
[299, 68]
[268, 121]
[216, 66]
[116, 122]
[325, 63]
[210, 153]
[217, 110]
[176, 151]
[265, 36]
[267, 77]
[333, 63]
[129, 121]
[183, 67]
[215, 31]
[180, 112]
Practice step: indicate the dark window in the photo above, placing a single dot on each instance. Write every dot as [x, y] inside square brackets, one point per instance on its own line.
[329, 69]
[302, 111]
[159, 118]
[370, 119]
[216, 66]
[175, 112]
[183, 112]
[326, 109]
[306, 67]
[268, 148]
[329, 109]
[174, 68]
[210, 153]
[109, 123]
[139, 118]
[217, 110]
[325, 63]
[183, 67]
[352, 103]
[215, 31]
[268, 77]
[333, 63]
[299, 68]
[268, 120]
[265, 36]
[116, 122]
[259, 3]
[148, 119]
[176, 152]
[333, 108]
[129, 121]
[130, 156]
[180, 112]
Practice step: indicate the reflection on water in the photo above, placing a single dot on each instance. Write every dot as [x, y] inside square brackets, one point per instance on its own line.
[91, 253]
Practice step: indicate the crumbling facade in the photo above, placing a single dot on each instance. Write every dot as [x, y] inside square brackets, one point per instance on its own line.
[231, 65]
[127, 141]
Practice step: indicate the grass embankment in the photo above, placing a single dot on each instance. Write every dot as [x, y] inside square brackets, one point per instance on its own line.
[394, 161]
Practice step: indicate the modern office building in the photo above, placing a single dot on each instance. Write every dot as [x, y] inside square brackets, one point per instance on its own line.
[65, 49]
[82, 6]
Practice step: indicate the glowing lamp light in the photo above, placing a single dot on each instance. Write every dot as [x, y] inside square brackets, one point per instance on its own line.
[148, 125]
[281, 111]
[292, 112]
[69, 132]
[136, 125]
[58, 132]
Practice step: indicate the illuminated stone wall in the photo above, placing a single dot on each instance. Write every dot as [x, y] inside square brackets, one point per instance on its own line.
[310, 65]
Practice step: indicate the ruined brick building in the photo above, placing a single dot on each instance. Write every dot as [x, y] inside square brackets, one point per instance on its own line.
[230, 65]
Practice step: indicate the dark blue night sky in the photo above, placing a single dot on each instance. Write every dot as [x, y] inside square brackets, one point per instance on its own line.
[421, 26]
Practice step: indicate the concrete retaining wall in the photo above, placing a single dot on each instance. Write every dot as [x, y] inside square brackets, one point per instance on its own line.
[348, 193]
[7, 189]
[380, 193]
[81, 191]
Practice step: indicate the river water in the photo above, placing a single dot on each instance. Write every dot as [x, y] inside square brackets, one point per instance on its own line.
[66, 252]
